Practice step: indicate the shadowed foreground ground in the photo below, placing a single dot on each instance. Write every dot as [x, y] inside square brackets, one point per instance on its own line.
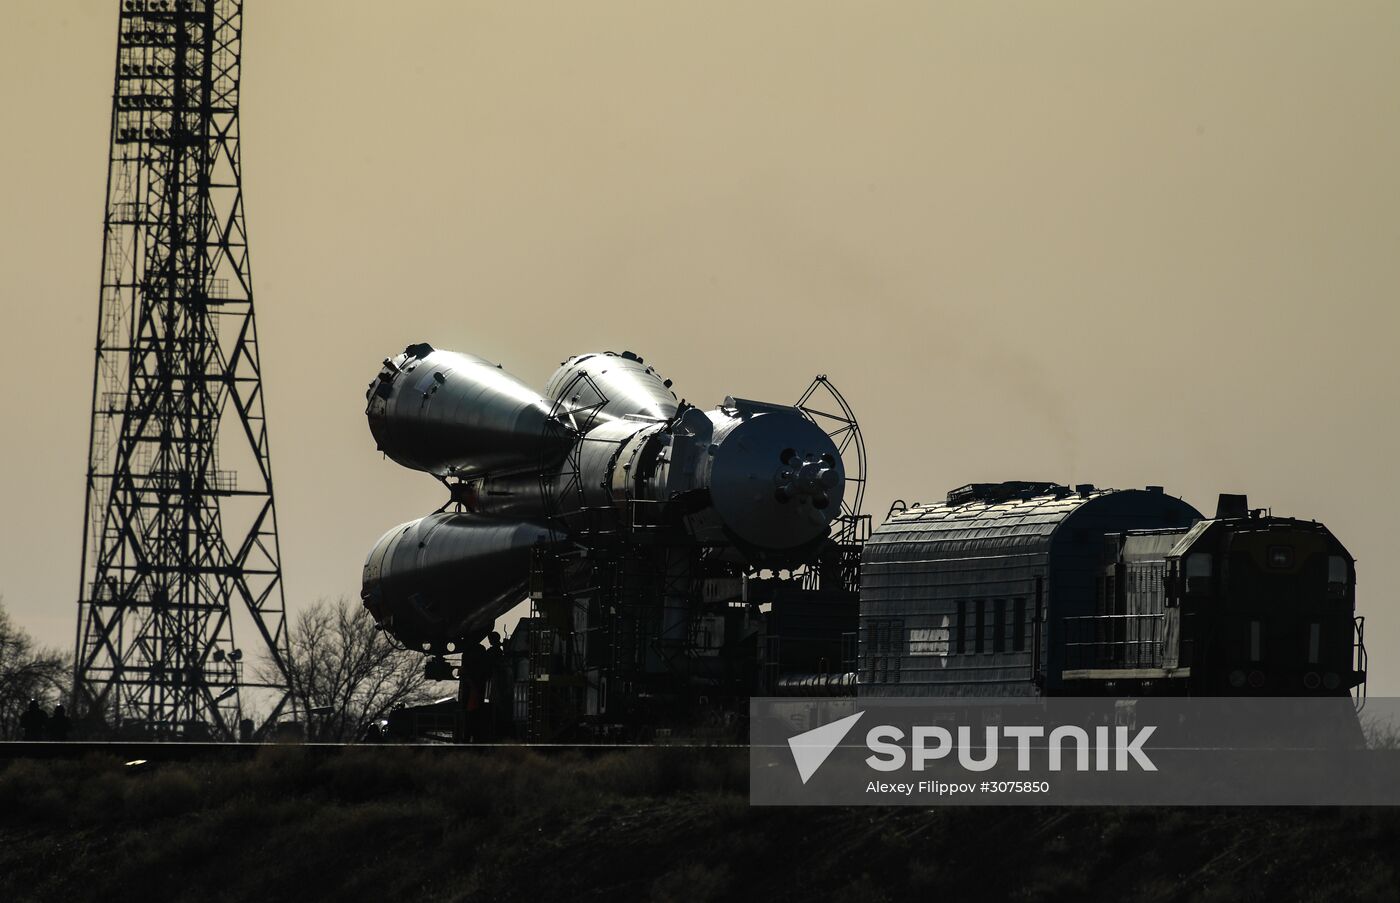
[665, 824]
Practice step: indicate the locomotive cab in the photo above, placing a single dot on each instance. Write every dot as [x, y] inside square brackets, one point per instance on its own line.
[1264, 605]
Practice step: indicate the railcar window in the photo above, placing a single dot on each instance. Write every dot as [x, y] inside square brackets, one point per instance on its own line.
[884, 640]
[979, 628]
[1199, 568]
[999, 626]
[1337, 577]
[1018, 628]
[892, 657]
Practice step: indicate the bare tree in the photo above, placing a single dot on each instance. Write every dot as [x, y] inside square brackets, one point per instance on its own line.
[340, 660]
[26, 672]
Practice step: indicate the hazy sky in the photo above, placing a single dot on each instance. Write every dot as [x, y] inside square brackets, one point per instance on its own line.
[1120, 243]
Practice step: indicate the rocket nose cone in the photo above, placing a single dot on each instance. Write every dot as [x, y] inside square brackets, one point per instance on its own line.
[777, 480]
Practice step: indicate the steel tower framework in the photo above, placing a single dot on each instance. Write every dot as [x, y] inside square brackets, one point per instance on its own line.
[180, 528]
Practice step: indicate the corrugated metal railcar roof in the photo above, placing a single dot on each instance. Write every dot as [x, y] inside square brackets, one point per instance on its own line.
[1025, 523]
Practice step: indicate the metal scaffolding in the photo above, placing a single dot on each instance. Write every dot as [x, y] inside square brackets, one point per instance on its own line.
[180, 528]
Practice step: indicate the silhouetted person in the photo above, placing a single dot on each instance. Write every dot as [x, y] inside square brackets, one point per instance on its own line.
[58, 724]
[498, 706]
[495, 658]
[477, 669]
[34, 722]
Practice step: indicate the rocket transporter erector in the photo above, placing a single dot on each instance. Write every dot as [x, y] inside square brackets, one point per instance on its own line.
[606, 444]
[680, 562]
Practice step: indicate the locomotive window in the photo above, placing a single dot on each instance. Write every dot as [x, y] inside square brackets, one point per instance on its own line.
[1336, 569]
[1018, 626]
[1280, 556]
[999, 626]
[1198, 572]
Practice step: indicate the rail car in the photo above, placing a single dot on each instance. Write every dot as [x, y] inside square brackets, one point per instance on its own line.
[1031, 589]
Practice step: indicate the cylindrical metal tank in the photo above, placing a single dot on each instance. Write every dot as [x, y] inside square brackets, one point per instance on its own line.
[775, 479]
[453, 414]
[838, 684]
[608, 386]
[519, 496]
[446, 577]
[588, 478]
[759, 473]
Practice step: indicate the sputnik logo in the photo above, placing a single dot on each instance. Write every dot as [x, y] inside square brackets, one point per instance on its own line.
[811, 748]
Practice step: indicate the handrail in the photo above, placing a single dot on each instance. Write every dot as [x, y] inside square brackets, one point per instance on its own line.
[1126, 640]
[1359, 659]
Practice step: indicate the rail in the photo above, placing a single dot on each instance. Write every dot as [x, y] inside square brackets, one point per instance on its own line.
[1113, 641]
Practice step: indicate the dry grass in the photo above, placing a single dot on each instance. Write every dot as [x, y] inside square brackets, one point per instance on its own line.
[663, 824]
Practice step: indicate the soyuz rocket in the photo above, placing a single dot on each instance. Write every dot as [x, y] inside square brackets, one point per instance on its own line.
[606, 448]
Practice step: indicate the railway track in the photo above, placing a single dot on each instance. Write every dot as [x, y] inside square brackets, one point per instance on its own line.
[137, 751]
